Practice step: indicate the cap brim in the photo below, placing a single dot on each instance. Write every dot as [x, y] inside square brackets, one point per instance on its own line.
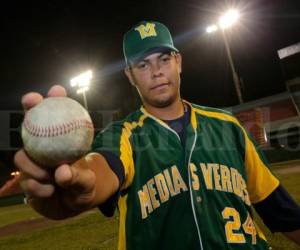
[143, 54]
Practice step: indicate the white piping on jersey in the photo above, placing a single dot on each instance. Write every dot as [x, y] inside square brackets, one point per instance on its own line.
[189, 170]
[162, 123]
[191, 190]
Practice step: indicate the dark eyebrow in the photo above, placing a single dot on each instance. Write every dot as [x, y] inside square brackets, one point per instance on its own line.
[143, 60]
[159, 56]
[168, 53]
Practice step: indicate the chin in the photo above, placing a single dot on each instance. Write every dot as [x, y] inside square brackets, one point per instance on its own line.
[162, 102]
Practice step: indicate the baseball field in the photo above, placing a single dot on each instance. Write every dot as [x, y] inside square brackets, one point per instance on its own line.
[22, 228]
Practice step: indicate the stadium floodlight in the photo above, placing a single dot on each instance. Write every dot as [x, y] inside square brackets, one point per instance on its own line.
[226, 21]
[82, 82]
[229, 18]
[82, 90]
[16, 173]
[211, 28]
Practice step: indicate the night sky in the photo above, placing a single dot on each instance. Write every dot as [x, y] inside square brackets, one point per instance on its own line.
[49, 42]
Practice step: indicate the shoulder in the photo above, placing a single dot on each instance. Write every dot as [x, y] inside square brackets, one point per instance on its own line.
[215, 113]
[117, 131]
[129, 121]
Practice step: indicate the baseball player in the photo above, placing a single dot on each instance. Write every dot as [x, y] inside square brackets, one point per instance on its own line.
[182, 176]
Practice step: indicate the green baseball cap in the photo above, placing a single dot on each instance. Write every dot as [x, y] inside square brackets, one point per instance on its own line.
[145, 38]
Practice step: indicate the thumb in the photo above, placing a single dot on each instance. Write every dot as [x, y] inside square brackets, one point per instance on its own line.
[76, 178]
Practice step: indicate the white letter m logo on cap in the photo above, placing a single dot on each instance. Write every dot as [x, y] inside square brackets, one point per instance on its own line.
[146, 30]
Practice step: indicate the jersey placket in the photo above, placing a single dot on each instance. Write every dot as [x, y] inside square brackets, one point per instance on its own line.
[190, 144]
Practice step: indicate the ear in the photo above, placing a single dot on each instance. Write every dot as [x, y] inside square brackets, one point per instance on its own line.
[179, 61]
[128, 73]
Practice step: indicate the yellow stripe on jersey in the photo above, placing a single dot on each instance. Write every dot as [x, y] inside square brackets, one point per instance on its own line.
[193, 115]
[126, 150]
[122, 204]
[257, 171]
[260, 232]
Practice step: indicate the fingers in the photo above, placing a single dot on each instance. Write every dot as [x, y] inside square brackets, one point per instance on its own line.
[34, 180]
[77, 178]
[88, 182]
[29, 168]
[63, 176]
[77, 184]
[34, 188]
[31, 99]
[57, 90]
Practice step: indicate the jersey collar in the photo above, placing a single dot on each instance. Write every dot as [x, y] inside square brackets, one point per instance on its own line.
[161, 122]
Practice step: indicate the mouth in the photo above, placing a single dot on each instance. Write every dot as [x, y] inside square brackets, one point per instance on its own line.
[160, 86]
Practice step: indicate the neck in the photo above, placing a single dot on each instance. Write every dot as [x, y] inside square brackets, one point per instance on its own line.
[171, 112]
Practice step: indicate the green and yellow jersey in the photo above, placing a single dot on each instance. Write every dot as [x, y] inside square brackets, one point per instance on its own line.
[195, 194]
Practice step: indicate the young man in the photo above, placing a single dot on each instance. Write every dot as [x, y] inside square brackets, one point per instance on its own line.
[184, 176]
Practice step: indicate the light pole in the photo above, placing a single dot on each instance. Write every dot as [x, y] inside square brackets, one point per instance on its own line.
[226, 21]
[82, 82]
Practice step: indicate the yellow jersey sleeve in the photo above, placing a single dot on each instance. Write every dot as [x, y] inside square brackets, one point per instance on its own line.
[260, 182]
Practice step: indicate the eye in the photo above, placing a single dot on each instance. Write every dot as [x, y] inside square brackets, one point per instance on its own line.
[165, 59]
[142, 65]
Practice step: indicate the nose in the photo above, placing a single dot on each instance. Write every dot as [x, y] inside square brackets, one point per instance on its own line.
[156, 70]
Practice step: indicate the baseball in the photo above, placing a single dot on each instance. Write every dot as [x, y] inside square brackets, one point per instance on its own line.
[56, 131]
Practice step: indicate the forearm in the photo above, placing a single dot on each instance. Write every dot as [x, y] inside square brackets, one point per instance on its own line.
[294, 236]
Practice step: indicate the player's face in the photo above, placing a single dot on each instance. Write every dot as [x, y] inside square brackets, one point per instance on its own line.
[157, 78]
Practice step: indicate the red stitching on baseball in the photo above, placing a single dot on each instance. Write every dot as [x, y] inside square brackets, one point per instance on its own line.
[55, 130]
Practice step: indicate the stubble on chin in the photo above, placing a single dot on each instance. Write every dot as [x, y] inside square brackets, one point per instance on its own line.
[160, 102]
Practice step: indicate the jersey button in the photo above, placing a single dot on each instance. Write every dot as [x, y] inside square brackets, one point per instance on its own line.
[198, 199]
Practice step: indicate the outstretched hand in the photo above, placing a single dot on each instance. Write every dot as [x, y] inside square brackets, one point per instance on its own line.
[61, 193]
